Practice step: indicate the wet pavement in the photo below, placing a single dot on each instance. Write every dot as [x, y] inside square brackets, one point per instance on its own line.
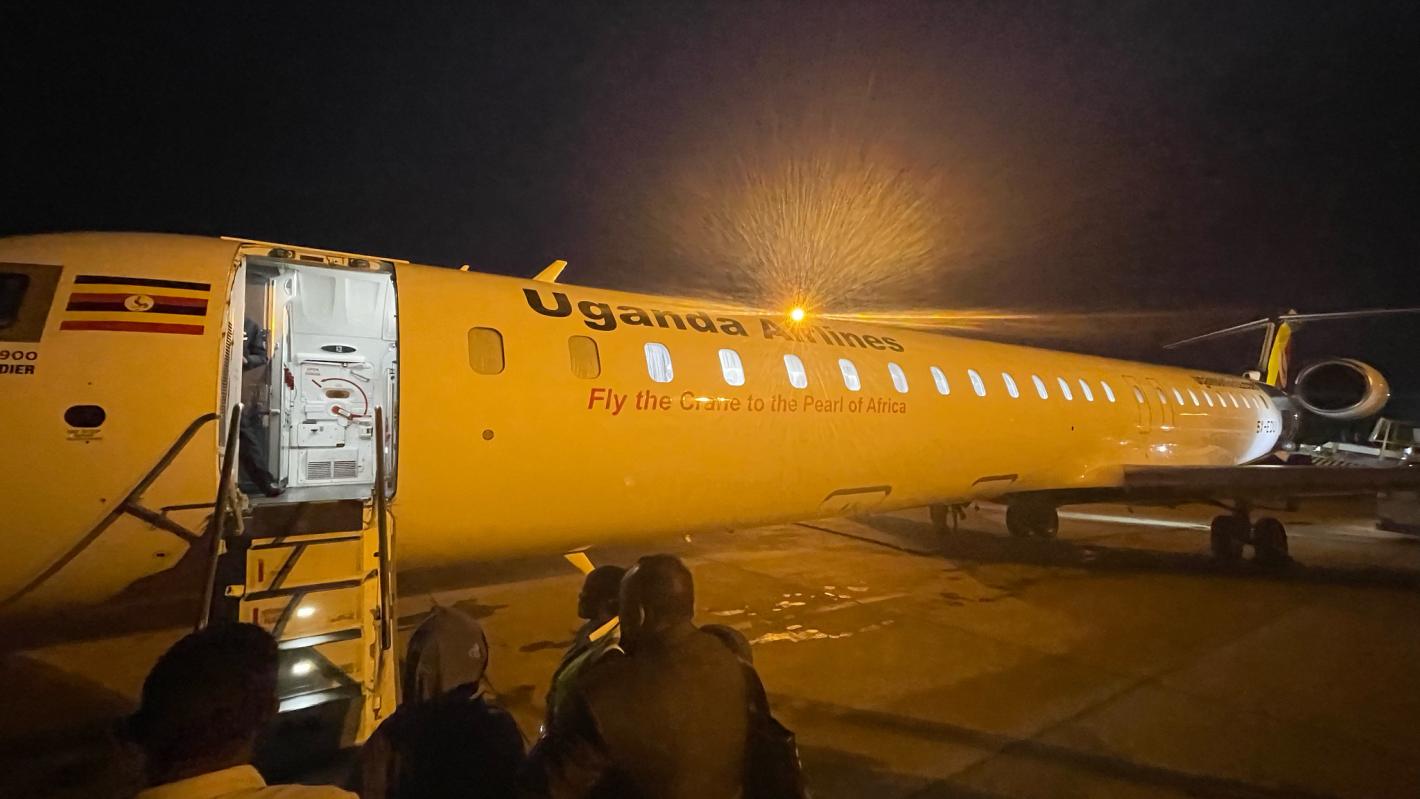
[1118, 660]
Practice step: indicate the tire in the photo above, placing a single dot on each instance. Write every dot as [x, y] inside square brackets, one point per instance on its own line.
[1224, 537]
[1269, 541]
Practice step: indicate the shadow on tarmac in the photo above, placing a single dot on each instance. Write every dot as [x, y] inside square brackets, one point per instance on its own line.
[918, 538]
[829, 766]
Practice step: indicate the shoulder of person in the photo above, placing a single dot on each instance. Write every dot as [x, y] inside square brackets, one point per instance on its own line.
[611, 667]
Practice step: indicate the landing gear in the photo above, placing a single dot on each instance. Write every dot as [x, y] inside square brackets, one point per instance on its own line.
[1226, 536]
[1029, 519]
[939, 517]
[945, 518]
[1269, 541]
[1229, 533]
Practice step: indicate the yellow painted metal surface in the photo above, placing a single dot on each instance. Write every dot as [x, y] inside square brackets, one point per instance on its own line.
[538, 457]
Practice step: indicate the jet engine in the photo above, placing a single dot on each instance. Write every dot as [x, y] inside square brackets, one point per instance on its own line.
[1341, 388]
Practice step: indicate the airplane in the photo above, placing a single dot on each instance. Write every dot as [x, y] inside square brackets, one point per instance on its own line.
[456, 416]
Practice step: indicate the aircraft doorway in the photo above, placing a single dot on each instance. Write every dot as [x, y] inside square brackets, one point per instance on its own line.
[327, 335]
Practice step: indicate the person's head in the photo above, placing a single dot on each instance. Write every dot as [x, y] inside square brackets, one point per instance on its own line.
[601, 593]
[657, 595]
[733, 639]
[448, 651]
[205, 701]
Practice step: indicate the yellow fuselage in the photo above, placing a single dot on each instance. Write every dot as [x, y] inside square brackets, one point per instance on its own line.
[572, 443]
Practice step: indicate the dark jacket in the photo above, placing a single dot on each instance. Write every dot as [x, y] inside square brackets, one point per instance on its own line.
[458, 745]
[667, 721]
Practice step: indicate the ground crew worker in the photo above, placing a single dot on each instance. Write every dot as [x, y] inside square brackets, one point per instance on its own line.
[597, 604]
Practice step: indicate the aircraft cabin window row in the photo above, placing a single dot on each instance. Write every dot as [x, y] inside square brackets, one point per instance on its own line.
[486, 356]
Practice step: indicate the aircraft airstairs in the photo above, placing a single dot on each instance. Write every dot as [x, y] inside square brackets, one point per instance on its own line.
[317, 575]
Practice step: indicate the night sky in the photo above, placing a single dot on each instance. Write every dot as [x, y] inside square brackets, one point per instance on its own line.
[1201, 162]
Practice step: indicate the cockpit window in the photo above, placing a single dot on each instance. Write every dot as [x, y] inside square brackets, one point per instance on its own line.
[26, 294]
[12, 294]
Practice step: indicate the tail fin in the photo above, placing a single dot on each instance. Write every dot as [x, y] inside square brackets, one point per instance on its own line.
[1279, 356]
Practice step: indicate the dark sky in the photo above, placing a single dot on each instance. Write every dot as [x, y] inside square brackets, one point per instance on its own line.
[1208, 160]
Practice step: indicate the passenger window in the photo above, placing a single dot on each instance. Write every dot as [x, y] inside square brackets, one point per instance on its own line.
[1040, 387]
[586, 360]
[899, 378]
[658, 362]
[850, 374]
[1010, 385]
[977, 384]
[485, 350]
[1163, 400]
[732, 368]
[1085, 389]
[941, 381]
[1108, 392]
[798, 378]
[1193, 397]
[1233, 398]
[1178, 396]
[1064, 388]
[1138, 395]
[1207, 398]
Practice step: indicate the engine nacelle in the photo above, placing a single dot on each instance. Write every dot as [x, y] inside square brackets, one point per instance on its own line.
[1342, 388]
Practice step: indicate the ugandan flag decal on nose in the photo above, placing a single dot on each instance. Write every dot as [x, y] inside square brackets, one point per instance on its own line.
[136, 304]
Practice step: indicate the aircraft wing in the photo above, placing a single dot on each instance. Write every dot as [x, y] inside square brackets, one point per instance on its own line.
[1163, 485]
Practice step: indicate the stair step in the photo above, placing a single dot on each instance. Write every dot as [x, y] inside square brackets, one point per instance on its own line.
[274, 520]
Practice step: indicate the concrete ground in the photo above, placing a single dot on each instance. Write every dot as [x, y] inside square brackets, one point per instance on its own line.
[1119, 660]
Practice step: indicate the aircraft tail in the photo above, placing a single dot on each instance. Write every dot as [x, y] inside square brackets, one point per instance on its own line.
[1279, 356]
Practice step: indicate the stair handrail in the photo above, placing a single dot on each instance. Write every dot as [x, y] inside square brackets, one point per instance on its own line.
[217, 525]
[381, 502]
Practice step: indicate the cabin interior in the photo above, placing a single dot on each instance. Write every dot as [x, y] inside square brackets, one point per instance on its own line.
[328, 330]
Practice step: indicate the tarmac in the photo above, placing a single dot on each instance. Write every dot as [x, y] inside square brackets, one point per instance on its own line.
[1118, 660]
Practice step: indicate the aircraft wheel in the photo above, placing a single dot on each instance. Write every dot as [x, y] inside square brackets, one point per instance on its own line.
[1225, 537]
[939, 517]
[1269, 541]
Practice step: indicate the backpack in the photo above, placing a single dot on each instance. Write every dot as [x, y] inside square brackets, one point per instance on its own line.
[772, 767]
